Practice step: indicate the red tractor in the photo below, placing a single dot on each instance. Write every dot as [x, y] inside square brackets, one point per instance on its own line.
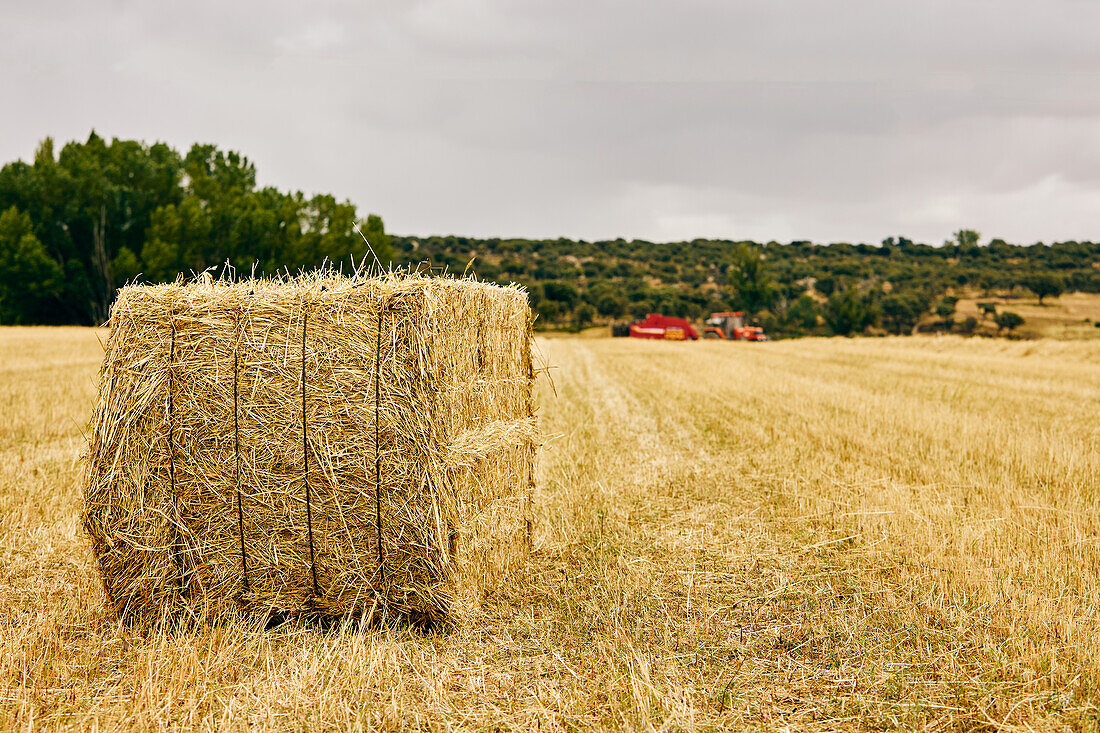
[669, 328]
[730, 326]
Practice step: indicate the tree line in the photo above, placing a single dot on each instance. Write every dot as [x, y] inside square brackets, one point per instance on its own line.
[76, 224]
[791, 289]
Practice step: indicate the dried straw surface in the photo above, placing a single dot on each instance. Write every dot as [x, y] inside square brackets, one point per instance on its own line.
[319, 445]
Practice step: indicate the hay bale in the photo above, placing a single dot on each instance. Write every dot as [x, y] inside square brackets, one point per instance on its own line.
[321, 445]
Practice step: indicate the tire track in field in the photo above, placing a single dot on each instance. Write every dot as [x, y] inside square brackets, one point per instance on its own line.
[725, 412]
[614, 444]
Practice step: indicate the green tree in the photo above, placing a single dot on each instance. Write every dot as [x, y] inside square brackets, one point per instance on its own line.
[826, 286]
[374, 231]
[1007, 320]
[967, 238]
[750, 281]
[968, 326]
[610, 305]
[946, 307]
[110, 191]
[563, 293]
[125, 266]
[850, 312]
[583, 316]
[29, 278]
[326, 232]
[803, 313]
[901, 311]
[641, 309]
[548, 311]
[179, 240]
[1045, 284]
[966, 243]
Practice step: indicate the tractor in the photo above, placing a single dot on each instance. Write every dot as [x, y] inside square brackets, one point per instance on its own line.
[730, 326]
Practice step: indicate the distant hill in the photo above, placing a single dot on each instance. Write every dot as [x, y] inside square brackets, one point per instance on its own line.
[798, 288]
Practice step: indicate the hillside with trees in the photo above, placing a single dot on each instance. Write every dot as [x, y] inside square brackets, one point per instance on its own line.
[791, 289]
[78, 223]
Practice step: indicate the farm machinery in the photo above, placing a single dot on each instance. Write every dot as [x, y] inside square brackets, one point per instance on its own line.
[730, 326]
[727, 326]
[669, 328]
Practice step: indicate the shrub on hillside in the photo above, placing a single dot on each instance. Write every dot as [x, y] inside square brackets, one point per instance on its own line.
[1007, 320]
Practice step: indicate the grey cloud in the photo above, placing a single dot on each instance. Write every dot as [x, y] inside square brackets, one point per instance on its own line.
[804, 118]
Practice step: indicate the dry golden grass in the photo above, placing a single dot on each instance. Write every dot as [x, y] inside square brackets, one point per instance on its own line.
[820, 534]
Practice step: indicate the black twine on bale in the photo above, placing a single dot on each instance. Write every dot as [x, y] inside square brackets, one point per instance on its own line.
[237, 452]
[377, 454]
[305, 454]
[171, 411]
[176, 541]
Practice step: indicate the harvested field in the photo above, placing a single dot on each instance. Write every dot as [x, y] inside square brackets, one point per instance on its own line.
[821, 534]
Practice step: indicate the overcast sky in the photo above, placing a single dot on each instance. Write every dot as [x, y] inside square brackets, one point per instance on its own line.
[829, 120]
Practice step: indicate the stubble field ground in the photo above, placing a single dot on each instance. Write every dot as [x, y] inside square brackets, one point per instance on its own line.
[819, 534]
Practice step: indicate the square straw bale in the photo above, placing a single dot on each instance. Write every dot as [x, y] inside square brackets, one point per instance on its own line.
[321, 445]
